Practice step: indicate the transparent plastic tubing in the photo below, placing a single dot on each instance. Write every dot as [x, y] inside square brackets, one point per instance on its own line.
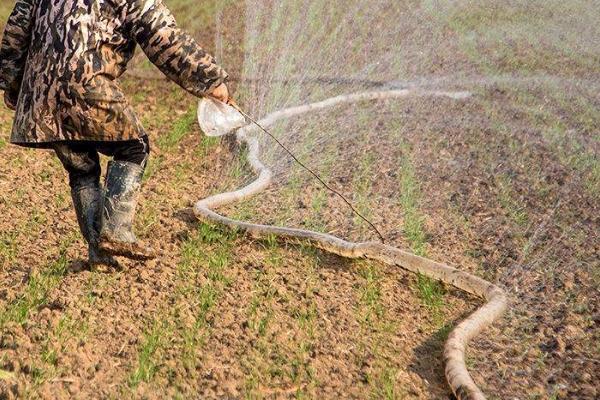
[457, 375]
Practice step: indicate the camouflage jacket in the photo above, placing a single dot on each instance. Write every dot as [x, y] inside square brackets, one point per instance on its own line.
[59, 61]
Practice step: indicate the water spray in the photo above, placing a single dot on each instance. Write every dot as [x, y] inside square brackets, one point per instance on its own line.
[218, 118]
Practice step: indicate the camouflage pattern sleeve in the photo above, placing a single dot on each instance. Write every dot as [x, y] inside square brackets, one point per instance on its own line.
[173, 51]
[15, 46]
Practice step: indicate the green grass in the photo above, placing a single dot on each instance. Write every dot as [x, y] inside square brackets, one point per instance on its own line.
[370, 293]
[510, 39]
[488, 36]
[182, 127]
[508, 201]
[429, 291]
[363, 188]
[272, 363]
[193, 17]
[377, 326]
[36, 292]
[570, 151]
[208, 233]
[318, 204]
[48, 365]
[259, 310]
[410, 195]
[306, 318]
[207, 144]
[9, 240]
[147, 218]
[38, 287]
[168, 142]
[207, 252]
[8, 247]
[152, 167]
[148, 363]
[6, 375]
[507, 197]
[241, 166]
[383, 386]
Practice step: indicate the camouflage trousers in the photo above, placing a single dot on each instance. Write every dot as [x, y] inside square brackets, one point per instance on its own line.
[82, 159]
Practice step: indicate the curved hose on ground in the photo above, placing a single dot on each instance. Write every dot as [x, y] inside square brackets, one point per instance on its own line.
[458, 377]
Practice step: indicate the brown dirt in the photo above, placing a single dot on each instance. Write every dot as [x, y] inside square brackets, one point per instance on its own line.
[288, 321]
[108, 311]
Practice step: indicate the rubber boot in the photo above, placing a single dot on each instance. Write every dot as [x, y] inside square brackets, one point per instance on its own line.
[122, 187]
[86, 200]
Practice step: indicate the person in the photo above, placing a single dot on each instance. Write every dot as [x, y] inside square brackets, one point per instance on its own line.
[59, 65]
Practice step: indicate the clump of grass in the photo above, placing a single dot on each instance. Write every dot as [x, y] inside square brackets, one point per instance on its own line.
[207, 251]
[443, 332]
[147, 365]
[383, 386]
[54, 345]
[241, 166]
[315, 220]
[508, 201]
[414, 231]
[208, 233]
[183, 171]
[245, 211]
[206, 144]
[375, 324]
[8, 247]
[251, 385]
[523, 54]
[429, 291]
[9, 240]
[362, 184]
[147, 218]
[181, 128]
[370, 293]
[167, 142]
[259, 311]
[6, 375]
[592, 183]
[306, 317]
[271, 362]
[36, 291]
[153, 166]
[47, 366]
[289, 197]
[216, 264]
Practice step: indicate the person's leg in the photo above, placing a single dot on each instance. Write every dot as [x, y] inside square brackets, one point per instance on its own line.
[122, 188]
[81, 162]
[134, 151]
[83, 166]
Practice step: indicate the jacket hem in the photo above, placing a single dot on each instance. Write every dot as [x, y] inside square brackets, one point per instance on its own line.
[52, 143]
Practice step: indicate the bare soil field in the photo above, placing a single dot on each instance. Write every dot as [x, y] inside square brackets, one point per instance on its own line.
[505, 185]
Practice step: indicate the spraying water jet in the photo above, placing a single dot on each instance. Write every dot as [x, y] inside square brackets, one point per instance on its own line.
[219, 118]
[457, 375]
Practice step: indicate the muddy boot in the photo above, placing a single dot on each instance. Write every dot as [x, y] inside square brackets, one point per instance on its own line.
[86, 200]
[122, 186]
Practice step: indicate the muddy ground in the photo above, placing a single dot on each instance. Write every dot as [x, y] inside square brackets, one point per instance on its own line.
[505, 185]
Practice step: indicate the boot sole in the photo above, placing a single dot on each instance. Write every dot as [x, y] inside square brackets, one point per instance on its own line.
[126, 250]
[104, 262]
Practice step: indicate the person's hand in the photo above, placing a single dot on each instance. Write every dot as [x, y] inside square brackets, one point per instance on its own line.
[221, 93]
[10, 101]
